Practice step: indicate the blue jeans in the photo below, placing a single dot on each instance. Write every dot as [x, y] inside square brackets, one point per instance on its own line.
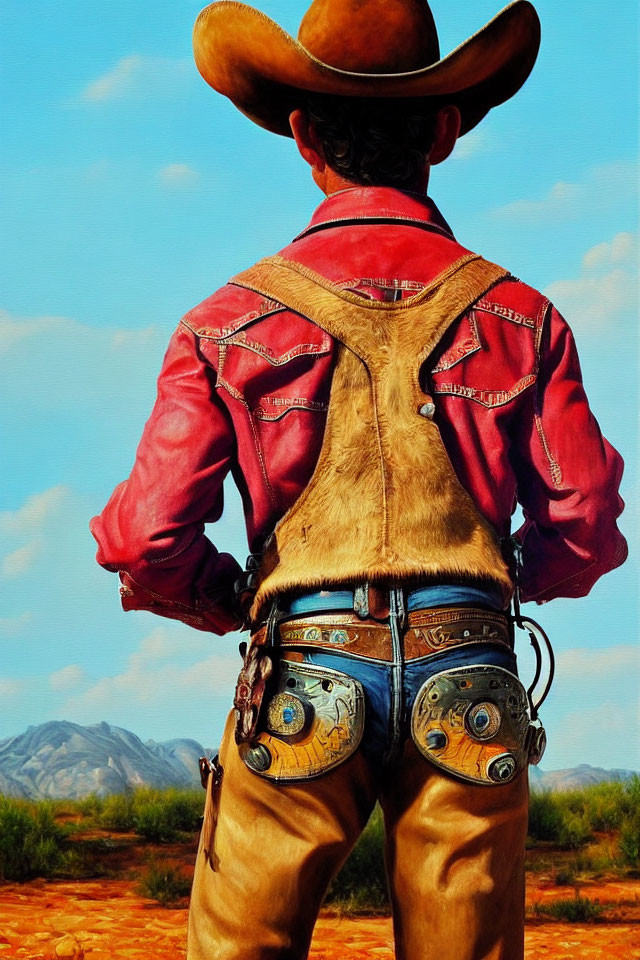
[382, 739]
[377, 679]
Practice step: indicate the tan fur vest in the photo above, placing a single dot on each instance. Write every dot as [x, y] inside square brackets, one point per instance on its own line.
[384, 503]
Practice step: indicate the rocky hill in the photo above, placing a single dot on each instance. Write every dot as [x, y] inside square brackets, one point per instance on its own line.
[574, 778]
[62, 759]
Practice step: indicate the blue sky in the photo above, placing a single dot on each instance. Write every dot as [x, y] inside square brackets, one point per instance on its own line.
[130, 192]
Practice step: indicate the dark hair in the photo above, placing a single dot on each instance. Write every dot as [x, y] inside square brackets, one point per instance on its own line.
[374, 142]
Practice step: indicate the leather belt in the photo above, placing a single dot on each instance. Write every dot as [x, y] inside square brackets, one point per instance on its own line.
[428, 632]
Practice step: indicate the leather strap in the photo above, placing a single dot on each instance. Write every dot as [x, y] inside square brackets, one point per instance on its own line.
[429, 632]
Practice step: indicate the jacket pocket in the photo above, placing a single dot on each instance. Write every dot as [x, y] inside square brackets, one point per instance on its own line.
[274, 408]
[276, 373]
[487, 361]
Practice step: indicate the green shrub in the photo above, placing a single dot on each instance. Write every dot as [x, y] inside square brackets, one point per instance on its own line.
[560, 818]
[152, 822]
[158, 815]
[360, 887]
[629, 840]
[185, 809]
[76, 863]
[31, 843]
[155, 815]
[544, 816]
[573, 830]
[605, 805]
[91, 807]
[117, 813]
[164, 883]
[632, 793]
[575, 910]
[565, 875]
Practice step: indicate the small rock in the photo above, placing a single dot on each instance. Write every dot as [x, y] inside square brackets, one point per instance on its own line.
[69, 949]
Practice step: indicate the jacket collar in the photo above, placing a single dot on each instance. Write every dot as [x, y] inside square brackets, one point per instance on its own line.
[376, 204]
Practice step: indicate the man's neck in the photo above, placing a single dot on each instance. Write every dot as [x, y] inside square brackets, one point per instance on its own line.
[331, 182]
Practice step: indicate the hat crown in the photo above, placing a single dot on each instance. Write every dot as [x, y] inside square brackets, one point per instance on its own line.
[371, 36]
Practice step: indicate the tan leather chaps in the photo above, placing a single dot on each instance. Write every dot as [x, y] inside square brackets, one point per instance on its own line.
[454, 854]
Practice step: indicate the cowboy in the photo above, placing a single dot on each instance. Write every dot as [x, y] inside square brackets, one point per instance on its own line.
[382, 396]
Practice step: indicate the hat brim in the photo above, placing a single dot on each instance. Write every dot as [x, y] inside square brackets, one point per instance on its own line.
[262, 69]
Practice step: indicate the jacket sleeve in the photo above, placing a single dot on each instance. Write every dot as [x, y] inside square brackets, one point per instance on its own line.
[152, 529]
[568, 477]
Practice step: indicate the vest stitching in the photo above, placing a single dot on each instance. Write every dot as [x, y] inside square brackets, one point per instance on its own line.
[354, 298]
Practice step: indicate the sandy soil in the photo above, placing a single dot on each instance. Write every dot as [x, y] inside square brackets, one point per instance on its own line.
[107, 920]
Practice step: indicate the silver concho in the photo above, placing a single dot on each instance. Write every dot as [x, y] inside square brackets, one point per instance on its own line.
[473, 722]
[287, 715]
[314, 721]
[483, 720]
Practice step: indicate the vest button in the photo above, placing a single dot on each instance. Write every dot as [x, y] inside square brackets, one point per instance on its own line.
[427, 410]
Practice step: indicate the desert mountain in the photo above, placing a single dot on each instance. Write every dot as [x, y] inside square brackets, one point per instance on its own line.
[574, 778]
[61, 759]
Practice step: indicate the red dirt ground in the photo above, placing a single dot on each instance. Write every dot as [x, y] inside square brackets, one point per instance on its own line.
[107, 920]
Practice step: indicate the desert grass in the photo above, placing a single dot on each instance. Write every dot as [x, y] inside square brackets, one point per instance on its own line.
[164, 883]
[571, 910]
[573, 836]
[570, 820]
[31, 842]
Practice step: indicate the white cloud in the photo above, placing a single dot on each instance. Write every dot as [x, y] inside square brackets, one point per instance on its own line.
[164, 642]
[602, 188]
[65, 359]
[13, 330]
[157, 674]
[606, 289]
[114, 82]
[133, 339]
[20, 561]
[603, 664]
[35, 511]
[622, 249]
[9, 687]
[10, 626]
[27, 523]
[178, 175]
[135, 75]
[66, 677]
[471, 144]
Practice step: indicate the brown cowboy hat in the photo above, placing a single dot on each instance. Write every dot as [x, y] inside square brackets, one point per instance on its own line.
[361, 48]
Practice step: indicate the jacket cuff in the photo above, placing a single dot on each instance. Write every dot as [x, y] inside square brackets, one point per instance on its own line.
[214, 614]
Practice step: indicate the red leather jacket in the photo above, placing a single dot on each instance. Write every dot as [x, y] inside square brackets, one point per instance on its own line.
[244, 388]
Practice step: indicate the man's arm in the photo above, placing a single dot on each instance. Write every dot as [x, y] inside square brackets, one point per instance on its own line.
[568, 479]
[152, 529]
